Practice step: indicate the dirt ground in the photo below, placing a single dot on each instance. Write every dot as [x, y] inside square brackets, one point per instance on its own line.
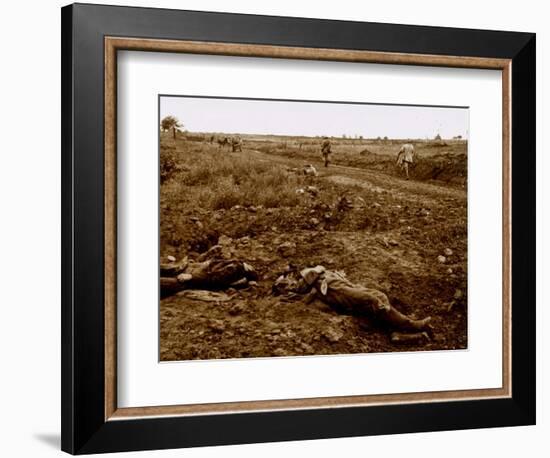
[405, 238]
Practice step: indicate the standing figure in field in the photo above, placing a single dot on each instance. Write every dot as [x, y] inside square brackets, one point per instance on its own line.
[326, 150]
[222, 142]
[406, 157]
[334, 289]
[236, 143]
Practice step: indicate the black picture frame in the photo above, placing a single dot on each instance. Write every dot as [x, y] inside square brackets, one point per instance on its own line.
[84, 428]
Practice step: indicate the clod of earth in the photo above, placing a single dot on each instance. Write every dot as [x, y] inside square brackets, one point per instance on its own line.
[217, 326]
[237, 309]
[287, 249]
[333, 335]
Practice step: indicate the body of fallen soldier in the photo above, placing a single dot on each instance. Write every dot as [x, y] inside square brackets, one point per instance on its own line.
[213, 274]
[334, 289]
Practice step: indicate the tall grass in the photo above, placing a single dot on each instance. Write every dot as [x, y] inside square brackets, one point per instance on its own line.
[220, 180]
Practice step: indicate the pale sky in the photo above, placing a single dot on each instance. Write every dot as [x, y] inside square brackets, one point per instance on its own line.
[249, 116]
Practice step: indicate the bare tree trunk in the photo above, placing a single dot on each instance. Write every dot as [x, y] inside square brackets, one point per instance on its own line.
[174, 132]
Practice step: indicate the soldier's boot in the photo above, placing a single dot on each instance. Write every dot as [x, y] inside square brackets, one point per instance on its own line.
[400, 321]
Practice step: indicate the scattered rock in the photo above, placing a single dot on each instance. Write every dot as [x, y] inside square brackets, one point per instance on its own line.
[393, 242]
[237, 309]
[217, 325]
[448, 252]
[313, 190]
[456, 298]
[417, 337]
[171, 258]
[361, 201]
[344, 203]
[224, 240]
[314, 221]
[383, 242]
[376, 205]
[279, 352]
[204, 295]
[449, 270]
[287, 249]
[333, 335]
[441, 259]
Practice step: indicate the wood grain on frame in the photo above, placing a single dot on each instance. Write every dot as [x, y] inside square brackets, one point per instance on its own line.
[110, 198]
[112, 44]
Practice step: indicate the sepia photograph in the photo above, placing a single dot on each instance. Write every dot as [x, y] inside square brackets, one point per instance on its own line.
[296, 228]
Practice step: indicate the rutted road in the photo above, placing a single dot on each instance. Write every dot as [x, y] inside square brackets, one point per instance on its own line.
[365, 178]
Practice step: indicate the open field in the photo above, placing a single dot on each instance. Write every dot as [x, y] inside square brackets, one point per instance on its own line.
[364, 218]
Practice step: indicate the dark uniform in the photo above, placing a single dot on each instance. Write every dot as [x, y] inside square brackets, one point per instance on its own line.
[326, 151]
[236, 144]
[337, 291]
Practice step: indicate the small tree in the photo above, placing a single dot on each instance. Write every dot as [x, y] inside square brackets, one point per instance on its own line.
[170, 122]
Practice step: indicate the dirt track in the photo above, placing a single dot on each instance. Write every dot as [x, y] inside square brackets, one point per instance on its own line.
[370, 179]
[389, 239]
